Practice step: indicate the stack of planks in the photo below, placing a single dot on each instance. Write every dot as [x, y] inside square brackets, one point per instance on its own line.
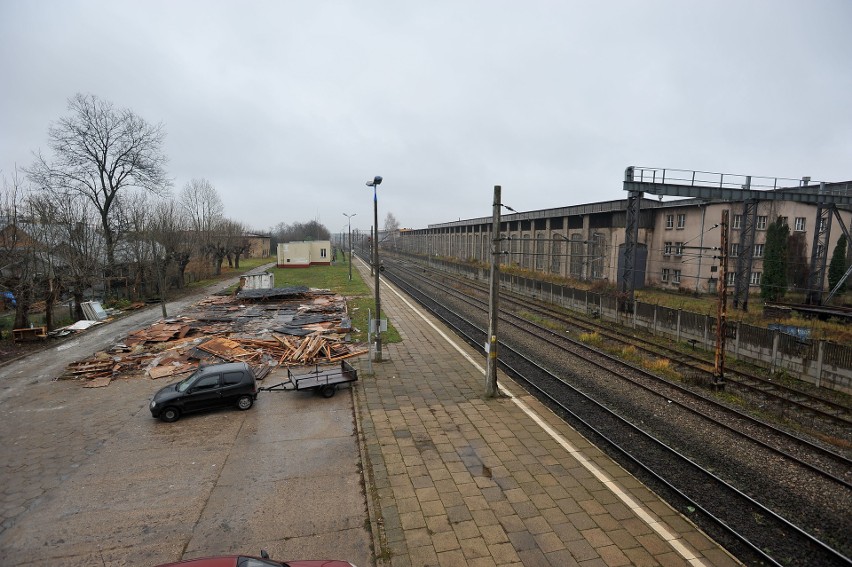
[310, 349]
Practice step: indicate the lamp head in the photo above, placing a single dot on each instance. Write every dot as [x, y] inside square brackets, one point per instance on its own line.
[377, 180]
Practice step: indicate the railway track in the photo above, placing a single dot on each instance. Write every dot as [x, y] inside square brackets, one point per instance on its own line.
[820, 416]
[688, 468]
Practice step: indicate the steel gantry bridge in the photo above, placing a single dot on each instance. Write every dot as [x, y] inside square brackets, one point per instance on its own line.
[749, 191]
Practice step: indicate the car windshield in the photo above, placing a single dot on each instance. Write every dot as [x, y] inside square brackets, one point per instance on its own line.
[183, 385]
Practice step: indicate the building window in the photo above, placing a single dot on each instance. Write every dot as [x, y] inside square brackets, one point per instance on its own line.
[820, 250]
[555, 256]
[758, 250]
[597, 255]
[540, 253]
[738, 221]
[732, 278]
[735, 250]
[800, 224]
[667, 249]
[761, 222]
[755, 278]
[676, 276]
[576, 255]
[681, 220]
[664, 277]
[669, 222]
[783, 221]
[322, 252]
[678, 249]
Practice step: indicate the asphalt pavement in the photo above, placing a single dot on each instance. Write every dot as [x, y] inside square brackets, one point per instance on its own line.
[89, 477]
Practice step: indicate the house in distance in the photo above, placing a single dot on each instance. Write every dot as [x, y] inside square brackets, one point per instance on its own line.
[303, 254]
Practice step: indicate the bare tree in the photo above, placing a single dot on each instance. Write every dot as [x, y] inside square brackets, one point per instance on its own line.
[297, 231]
[47, 239]
[17, 250]
[134, 212]
[74, 246]
[100, 151]
[171, 227]
[202, 204]
[238, 244]
[204, 211]
[84, 250]
[391, 224]
[391, 228]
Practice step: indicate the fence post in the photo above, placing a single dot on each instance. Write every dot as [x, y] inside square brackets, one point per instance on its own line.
[706, 328]
[677, 333]
[737, 341]
[819, 364]
[776, 339]
[654, 329]
[635, 309]
[600, 306]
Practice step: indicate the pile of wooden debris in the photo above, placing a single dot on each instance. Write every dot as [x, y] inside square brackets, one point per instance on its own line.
[292, 327]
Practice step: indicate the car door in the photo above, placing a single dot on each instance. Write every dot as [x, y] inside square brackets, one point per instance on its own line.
[234, 385]
[205, 393]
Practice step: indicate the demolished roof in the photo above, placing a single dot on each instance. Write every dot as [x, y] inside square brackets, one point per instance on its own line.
[294, 326]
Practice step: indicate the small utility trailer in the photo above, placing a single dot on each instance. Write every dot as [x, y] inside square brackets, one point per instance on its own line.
[323, 379]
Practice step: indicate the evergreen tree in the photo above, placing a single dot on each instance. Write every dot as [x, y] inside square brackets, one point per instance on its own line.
[773, 285]
[837, 267]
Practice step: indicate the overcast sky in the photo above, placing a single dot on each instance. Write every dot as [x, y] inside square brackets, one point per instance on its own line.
[288, 108]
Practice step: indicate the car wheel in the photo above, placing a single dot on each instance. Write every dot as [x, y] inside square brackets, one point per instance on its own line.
[170, 414]
[328, 391]
[245, 402]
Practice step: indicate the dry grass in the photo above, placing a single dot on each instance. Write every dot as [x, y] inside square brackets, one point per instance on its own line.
[591, 338]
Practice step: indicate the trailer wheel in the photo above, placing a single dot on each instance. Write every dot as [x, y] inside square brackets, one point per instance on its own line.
[328, 391]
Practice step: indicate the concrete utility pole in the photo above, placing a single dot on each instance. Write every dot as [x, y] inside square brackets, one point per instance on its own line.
[721, 318]
[349, 218]
[493, 300]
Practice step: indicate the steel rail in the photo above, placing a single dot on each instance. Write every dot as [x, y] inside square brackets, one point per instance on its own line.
[612, 360]
[477, 341]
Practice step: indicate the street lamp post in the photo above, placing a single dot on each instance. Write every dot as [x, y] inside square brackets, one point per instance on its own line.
[377, 180]
[349, 218]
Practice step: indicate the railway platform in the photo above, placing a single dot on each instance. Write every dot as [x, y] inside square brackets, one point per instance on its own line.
[454, 478]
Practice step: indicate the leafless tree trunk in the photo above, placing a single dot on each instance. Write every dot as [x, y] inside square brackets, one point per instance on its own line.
[237, 242]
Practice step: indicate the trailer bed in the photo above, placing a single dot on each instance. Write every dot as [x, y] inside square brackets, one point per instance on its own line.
[323, 379]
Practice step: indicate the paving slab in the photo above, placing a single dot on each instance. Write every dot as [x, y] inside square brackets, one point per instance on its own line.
[459, 479]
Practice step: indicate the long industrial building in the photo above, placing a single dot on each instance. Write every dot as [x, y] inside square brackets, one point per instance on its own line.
[677, 246]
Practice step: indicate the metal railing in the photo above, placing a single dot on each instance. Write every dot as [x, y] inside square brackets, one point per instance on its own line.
[698, 178]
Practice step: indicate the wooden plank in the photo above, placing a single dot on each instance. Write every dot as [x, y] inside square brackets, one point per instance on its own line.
[98, 382]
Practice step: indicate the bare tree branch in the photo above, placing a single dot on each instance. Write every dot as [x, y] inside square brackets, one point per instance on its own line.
[99, 151]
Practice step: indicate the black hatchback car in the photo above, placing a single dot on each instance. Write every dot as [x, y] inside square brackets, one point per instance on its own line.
[213, 386]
